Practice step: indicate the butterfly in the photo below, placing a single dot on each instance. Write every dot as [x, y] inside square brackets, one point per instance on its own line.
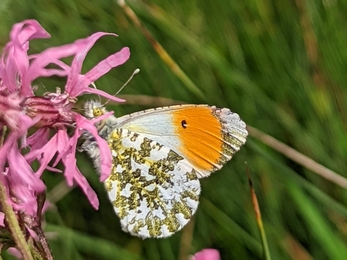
[159, 155]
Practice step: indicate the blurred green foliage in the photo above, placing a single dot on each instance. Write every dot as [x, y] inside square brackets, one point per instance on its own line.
[278, 64]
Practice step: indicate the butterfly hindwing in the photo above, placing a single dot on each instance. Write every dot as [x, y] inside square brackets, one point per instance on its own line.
[153, 190]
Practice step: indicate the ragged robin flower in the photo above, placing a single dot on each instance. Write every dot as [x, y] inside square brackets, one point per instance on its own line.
[50, 115]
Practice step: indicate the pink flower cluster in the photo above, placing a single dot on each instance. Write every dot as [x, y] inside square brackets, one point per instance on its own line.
[50, 115]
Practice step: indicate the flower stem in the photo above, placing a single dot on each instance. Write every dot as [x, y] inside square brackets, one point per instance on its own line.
[43, 248]
[266, 251]
[43, 243]
[13, 224]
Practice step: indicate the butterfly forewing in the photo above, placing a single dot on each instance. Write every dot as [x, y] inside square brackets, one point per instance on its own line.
[206, 136]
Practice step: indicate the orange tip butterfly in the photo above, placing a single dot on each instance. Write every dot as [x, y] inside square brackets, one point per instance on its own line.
[159, 155]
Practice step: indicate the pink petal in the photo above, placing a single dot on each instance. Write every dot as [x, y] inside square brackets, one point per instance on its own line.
[22, 171]
[77, 62]
[69, 160]
[17, 59]
[104, 94]
[28, 30]
[66, 149]
[45, 153]
[14, 63]
[101, 69]
[109, 63]
[27, 203]
[52, 55]
[22, 182]
[72, 173]
[39, 138]
[11, 140]
[82, 182]
[52, 169]
[62, 70]
[15, 252]
[105, 152]
[207, 254]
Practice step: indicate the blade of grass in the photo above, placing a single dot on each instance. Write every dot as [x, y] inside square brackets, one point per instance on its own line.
[291, 176]
[295, 249]
[228, 74]
[175, 68]
[186, 239]
[329, 242]
[166, 249]
[226, 222]
[100, 248]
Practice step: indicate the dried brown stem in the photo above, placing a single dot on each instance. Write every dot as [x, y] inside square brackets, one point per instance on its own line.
[298, 157]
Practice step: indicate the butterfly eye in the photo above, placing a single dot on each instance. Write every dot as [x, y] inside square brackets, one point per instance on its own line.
[97, 112]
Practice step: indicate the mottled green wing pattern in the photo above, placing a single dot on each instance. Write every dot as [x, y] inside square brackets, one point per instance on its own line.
[153, 190]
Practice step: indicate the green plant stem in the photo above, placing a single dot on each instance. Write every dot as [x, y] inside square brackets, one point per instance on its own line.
[13, 224]
[37, 255]
[256, 208]
[267, 255]
[34, 251]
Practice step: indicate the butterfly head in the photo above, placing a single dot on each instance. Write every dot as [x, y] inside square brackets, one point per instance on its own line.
[93, 109]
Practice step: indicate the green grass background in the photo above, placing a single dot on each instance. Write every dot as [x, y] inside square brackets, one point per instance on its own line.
[281, 65]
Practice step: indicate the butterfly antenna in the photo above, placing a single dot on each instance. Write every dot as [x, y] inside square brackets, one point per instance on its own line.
[94, 86]
[40, 84]
[126, 83]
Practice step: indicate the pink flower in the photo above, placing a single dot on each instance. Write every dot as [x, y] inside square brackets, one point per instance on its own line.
[206, 254]
[20, 109]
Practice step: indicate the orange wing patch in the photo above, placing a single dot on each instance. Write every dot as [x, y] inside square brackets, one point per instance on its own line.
[201, 135]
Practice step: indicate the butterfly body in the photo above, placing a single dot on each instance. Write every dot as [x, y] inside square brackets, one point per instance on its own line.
[158, 157]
